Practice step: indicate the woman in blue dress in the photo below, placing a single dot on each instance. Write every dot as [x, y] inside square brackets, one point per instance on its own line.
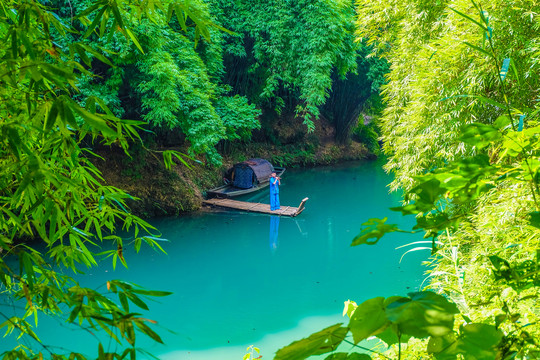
[275, 181]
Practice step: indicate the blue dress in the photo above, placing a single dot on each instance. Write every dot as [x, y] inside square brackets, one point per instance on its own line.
[274, 194]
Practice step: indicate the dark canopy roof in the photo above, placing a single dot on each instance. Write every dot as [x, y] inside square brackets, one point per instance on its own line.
[245, 174]
[261, 167]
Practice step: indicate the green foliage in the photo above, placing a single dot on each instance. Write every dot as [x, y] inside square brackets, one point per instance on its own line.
[520, 276]
[375, 228]
[288, 55]
[475, 341]
[319, 343]
[239, 117]
[293, 155]
[439, 80]
[251, 349]
[367, 134]
[395, 320]
[50, 192]
[162, 102]
[171, 77]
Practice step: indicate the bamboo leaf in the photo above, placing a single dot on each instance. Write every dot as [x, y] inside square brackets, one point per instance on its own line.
[482, 26]
[137, 301]
[477, 48]
[152, 292]
[14, 141]
[134, 39]
[28, 269]
[146, 330]
[79, 49]
[103, 24]
[124, 301]
[155, 238]
[96, 21]
[515, 71]
[74, 313]
[51, 117]
[91, 9]
[117, 15]
[96, 122]
[504, 68]
[180, 15]
[96, 54]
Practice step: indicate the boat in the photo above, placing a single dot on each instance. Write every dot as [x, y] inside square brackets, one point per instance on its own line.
[244, 178]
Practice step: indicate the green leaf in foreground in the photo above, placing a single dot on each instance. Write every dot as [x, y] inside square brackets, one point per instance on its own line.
[478, 341]
[375, 228]
[480, 135]
[423, 314]
[347, 356]
[534, 219]
[368, 319]
[318, 343]
[390, 335]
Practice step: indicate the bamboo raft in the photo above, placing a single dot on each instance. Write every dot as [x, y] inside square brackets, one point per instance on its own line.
[256, 207]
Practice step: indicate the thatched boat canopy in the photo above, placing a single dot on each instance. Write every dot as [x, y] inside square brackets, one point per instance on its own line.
[247, 173]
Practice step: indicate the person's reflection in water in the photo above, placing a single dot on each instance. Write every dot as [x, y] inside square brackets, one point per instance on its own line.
[274, 227]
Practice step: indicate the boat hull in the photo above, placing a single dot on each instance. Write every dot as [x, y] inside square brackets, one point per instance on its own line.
[228, 191]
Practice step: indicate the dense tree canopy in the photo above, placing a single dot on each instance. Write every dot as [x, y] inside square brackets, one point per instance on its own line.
[170, 78]
[298, 57]
[291, 45]
[282, 57]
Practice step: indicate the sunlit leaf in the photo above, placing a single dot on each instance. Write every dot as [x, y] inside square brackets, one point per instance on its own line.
[368, 319]
[480, 135]
[374, 228]
[423, 314]
[318, 343]
[390, 335]
[437, 344]
[96, 20]
[534, 219]
[349, 307]
[478, 341]
[481, 25]
[348, 356]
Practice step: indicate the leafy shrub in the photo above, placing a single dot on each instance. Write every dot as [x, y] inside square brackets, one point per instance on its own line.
[367, 135]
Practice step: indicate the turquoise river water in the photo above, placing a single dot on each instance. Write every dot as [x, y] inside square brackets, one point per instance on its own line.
[240, 279]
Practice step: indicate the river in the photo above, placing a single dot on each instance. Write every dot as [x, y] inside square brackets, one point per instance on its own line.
[240, 279]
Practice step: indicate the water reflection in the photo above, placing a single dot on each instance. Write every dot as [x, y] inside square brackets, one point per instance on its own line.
[274, 229]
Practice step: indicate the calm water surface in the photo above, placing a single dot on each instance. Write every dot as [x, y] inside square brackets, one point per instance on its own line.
[240, 279]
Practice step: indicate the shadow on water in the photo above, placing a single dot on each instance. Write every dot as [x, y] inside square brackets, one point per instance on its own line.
[241, 278]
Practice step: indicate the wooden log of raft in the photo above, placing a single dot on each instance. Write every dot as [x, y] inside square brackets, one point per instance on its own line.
[256, 207]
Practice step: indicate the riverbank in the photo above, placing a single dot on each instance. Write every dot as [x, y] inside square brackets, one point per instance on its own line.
[162, 192]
